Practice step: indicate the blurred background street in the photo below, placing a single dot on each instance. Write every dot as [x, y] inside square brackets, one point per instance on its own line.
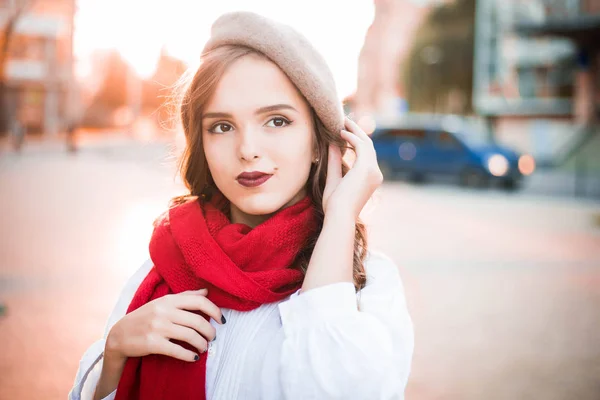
[484, 114]
[503, 288]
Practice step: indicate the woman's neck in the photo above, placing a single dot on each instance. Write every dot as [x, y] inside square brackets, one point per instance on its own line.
[240, 217]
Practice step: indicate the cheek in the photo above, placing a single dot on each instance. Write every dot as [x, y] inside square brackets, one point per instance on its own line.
[295, 150]
[217, 158]
[294, 161]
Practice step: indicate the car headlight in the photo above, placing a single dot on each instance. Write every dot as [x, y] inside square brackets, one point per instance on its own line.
[497, 164]
[526, 164]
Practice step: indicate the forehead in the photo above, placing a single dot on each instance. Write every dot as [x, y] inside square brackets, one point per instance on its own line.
[252, 82]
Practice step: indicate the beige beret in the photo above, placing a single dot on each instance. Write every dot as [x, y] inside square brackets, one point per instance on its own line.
[291, 51]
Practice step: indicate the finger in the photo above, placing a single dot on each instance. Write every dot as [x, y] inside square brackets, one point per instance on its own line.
[168, 348]
[202, 292]
[334, 167]
[356, 129]
[198, 303]
[194, 321]
[188, 335]
[353, 140]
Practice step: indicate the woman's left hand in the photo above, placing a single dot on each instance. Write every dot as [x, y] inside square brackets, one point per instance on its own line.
[350, 193]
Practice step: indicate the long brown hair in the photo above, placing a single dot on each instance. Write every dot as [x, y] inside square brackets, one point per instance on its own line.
[194, 95]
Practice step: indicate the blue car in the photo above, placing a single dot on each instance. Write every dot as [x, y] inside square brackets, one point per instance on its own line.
[420, 147]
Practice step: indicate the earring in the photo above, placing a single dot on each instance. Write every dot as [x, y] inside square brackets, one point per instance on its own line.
[206, 193]
[316, 160]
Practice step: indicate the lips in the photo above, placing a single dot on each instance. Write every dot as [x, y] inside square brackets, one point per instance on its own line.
[253, 179]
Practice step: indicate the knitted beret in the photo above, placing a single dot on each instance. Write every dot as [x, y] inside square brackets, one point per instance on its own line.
[291, 51]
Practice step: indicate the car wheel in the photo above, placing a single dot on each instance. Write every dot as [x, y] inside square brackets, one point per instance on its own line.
[510, 184]
[417, 177]
[475, 178]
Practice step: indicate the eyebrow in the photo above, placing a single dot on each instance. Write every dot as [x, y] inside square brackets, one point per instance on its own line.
[262, 110]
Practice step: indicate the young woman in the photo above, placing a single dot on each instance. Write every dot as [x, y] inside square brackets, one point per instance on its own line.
[260, 283]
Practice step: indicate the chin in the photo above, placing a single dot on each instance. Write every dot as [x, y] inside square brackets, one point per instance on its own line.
[260, 203]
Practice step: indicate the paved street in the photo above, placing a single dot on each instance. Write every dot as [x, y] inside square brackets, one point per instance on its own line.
[504, 289]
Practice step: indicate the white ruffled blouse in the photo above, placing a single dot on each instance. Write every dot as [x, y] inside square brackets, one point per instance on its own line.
[326, 343]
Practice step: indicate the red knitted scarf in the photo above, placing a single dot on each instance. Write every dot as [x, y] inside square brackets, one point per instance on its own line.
[198, 247]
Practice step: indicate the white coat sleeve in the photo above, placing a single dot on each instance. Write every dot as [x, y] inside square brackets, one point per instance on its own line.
[90, 364]
[332, 350]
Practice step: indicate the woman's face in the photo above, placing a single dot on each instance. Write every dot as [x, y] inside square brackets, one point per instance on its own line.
[257, 123]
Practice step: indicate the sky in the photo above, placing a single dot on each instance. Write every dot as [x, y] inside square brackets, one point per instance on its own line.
[138, 29]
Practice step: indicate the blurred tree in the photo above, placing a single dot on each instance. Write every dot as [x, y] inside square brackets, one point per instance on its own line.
[158, 88]
[113, 91]
[438, 74]
[158, 91]
[16, 9]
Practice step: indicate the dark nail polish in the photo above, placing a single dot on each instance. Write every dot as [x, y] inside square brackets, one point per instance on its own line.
[215, 338]
[223, 320]
[196, 357]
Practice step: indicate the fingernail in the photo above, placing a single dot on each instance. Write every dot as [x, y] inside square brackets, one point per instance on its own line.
[223, 320]
[196, 357]
[215, 338]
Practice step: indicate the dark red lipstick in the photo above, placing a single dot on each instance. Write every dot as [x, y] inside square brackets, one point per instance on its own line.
[253, 179]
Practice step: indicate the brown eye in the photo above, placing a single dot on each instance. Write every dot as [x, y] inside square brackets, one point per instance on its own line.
[278, 122]
[220, 128]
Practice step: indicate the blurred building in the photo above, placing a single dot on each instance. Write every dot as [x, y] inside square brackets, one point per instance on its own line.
[536, 73]
[387, 43]
[39, 66]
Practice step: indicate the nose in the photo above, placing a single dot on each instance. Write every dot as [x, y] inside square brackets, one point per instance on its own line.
[248, 144]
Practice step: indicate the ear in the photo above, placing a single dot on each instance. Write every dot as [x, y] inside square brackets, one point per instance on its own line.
[315, 156]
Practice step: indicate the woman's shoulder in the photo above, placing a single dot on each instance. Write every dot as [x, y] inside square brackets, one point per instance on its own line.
[381, 270]
[378, 264]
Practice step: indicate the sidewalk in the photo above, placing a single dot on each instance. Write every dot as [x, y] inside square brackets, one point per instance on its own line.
[84, 138]
[563, 183]
[108, 145]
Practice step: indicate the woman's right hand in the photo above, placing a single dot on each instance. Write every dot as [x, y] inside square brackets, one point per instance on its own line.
[150, 328]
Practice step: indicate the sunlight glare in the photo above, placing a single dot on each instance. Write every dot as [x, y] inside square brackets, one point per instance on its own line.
[133, 235]
[139, 29]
